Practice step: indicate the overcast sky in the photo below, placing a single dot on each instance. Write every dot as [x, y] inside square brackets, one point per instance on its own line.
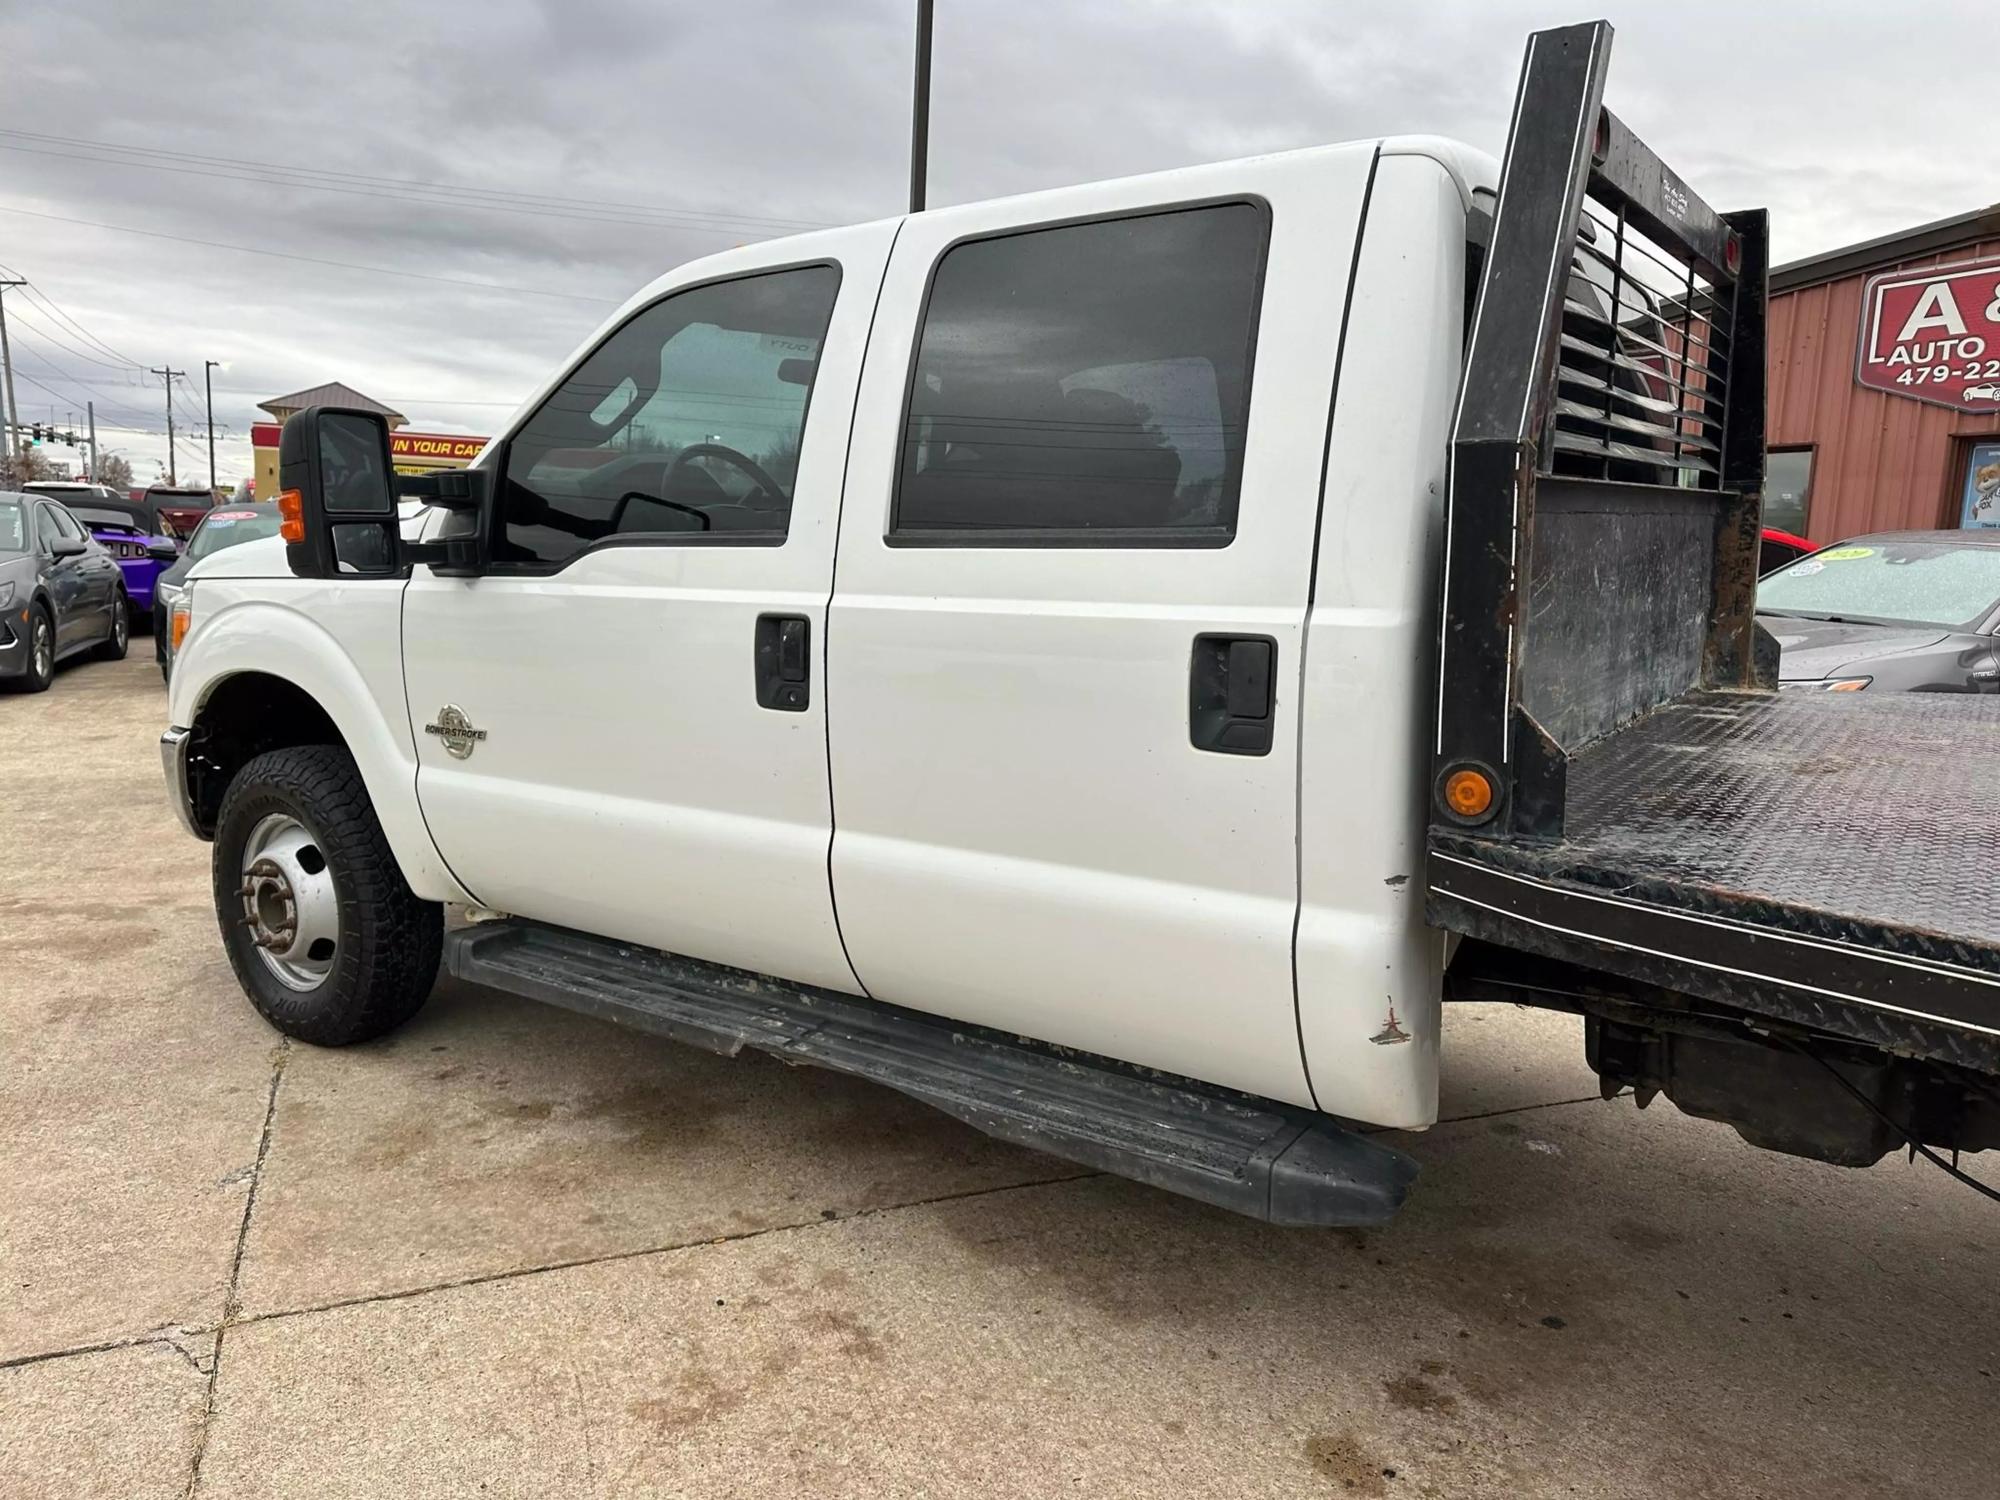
[674, 128]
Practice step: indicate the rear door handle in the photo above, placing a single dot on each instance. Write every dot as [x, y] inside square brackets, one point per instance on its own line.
[1232, 693]
[783, 655]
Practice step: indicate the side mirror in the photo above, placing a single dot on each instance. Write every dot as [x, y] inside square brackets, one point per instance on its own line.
[68, 546]
[337, 499]
[337, 502]
[163, 550]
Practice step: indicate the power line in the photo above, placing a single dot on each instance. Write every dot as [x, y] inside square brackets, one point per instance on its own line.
[402, 188]
[44, 301]
[685, 224]
[55, 336]
[312, 260]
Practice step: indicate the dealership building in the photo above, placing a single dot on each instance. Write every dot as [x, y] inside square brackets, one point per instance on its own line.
[1885, 383]
[411, 452]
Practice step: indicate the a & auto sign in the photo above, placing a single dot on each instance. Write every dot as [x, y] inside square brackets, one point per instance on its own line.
[1934, 335]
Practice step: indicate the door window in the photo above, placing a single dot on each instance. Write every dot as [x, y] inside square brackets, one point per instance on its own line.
[1085, 384]
[684, 425]
[48, 527]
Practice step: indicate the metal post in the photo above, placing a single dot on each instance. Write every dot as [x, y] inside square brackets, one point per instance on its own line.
[90, 410]
[12, 443]
[920, 110]
[208, 389]
[173, 476]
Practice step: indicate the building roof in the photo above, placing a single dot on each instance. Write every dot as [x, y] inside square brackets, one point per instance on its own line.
[333, 393]
[1934, 238]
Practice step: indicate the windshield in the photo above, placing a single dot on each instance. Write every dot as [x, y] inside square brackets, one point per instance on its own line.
[1895, 582]
[225, 528]
[13, 526]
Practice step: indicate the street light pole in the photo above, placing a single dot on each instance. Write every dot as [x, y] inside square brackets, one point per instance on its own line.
[173, 478]
[920, 110]
[208, 389]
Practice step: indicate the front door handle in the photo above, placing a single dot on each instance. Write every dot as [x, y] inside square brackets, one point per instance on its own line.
[784, 662]
[1232, 693]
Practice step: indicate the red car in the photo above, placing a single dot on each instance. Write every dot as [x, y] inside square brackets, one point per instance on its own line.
[1779, 548]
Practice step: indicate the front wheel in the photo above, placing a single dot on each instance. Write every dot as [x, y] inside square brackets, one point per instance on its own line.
[325, 935]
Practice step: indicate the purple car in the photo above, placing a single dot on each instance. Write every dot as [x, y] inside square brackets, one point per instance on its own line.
[125, 529]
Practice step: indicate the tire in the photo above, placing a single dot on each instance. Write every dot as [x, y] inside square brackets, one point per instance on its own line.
[41, 653]
[284, 811]
[120, 639]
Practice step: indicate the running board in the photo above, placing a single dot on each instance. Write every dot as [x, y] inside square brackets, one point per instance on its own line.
[1253, 1156]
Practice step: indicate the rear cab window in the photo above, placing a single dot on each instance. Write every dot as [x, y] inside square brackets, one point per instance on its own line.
[1085, 384]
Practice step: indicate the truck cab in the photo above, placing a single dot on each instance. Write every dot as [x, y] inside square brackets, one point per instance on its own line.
[996, 650]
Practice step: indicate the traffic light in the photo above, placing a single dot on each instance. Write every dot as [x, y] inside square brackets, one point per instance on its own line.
[69, 439]
[36, 431]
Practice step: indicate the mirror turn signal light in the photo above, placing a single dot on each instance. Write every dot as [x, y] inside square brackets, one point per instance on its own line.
[1468, 793]
[291, 516]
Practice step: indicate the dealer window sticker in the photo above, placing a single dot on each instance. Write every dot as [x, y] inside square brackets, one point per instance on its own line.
[1845, 554]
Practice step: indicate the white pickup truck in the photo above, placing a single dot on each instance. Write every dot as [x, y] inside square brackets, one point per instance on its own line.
[1112, 663]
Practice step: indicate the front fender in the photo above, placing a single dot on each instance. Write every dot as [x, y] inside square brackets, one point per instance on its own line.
[338, 641]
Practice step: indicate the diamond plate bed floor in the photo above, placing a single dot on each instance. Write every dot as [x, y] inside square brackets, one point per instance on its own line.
[1881, 809]
[1829, 860]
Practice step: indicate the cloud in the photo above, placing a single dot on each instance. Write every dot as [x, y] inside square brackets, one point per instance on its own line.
[674, 129]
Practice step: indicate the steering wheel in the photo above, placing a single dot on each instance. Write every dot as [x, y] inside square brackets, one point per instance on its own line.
[738, 461]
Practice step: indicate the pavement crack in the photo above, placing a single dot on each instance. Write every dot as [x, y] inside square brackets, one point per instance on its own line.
[487, 1278]
[232, 1297]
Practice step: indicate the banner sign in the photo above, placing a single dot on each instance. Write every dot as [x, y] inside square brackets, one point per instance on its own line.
[418, 450]
[1934, 335]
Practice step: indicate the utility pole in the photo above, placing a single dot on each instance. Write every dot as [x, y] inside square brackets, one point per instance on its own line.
[13, 443]
[172, 477]
[90, 409]
[208, 367]
[920, 110]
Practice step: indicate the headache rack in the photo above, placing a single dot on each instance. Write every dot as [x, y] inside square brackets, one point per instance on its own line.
[1617, 784]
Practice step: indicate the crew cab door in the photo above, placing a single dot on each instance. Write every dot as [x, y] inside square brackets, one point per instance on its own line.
[639, 677]
[1065, 637]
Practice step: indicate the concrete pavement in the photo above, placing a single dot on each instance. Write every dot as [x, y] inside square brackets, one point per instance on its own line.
[510, 1251]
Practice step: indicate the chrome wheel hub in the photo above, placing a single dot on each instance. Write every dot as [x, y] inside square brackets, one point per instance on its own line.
[289, 903]
[119, 624]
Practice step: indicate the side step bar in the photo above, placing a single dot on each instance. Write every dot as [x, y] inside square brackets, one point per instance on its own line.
[1256, 1157]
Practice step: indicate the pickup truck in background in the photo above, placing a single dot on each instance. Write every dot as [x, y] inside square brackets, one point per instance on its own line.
[1112, 663]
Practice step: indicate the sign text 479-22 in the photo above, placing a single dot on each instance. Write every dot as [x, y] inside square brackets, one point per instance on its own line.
[1934, 335]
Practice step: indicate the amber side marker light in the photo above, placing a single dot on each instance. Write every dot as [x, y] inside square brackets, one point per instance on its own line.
[178, 626]
[291, 516]
[1468, 793]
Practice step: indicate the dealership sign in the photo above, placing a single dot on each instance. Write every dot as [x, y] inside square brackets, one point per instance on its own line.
[1934, 335]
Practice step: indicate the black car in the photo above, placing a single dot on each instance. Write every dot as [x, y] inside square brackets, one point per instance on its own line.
[1899, 611]
[222, 527]
[60, 593]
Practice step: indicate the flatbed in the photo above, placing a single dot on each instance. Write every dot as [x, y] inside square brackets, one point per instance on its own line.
[1773, 906]
[1812, 857]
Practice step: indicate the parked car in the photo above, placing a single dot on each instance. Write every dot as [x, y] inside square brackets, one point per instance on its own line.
[125, 529]
[60, 593]
[177, 509]
[1780, 547]
[1896, 611]
[219, 529]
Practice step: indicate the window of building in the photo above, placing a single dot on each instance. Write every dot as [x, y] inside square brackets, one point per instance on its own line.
[1787, 488]
[685, 424]
[1087, 383]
